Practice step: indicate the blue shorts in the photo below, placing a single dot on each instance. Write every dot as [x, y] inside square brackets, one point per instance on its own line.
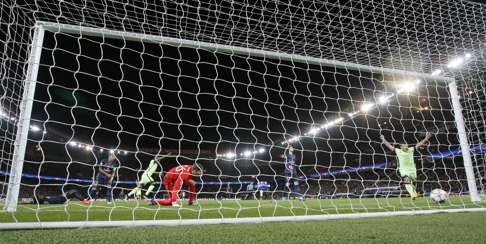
[101, 180]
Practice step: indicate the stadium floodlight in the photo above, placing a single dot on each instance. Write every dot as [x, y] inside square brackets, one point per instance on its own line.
[383, 99]
[406, 87]
[101, 150]
[366, 107]
[332, 123]
[468, 56]
[112, 151]
[456, 63]
[125, 152]
[80, 145]
[230, 155]
[436, 72]
[35, 128]
[295, 138]
[313, 131]
[246, 154]
[73, 143]
[351, 115]
[261, 150]
[88, 148]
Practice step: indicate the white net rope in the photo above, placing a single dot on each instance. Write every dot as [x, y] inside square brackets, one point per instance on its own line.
[236, 114]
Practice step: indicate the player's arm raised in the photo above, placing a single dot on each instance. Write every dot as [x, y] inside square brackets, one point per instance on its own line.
[425, 140]
[386, 143]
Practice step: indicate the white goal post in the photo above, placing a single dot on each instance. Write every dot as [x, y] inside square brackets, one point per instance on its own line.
[28, 97]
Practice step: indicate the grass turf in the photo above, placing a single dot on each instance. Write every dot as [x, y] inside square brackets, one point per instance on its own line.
[436, 228]
[129, 210]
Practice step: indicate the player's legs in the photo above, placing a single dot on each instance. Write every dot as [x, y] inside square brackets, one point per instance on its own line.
[146, 179]
[172, 191]
[297, 189]
[109, 194]
[95, 189]
[149, 190]
[288, 178]
[165, 202]
[75, 194]
[135, 191]
[410, 186]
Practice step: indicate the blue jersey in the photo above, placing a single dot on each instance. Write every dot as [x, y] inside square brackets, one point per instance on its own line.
[107, 166]
[290, 166]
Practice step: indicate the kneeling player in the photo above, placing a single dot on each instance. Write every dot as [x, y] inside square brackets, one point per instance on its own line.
[173, 181]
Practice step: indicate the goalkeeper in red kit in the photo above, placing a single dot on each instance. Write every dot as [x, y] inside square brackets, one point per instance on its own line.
[173, 181]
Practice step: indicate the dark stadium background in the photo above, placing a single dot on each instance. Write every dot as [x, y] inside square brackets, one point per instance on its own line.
[92, 93]
[150, 99]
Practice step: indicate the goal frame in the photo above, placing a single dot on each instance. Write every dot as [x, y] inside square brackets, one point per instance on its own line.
[28, 96]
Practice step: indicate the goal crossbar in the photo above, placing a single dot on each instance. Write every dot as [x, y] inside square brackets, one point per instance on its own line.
[133, 36]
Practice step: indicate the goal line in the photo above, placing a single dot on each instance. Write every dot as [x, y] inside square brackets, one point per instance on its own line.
[245, 220]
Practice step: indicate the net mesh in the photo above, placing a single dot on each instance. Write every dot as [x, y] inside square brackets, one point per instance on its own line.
[236, 114]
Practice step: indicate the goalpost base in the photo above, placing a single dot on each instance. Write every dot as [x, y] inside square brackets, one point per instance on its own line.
[248, 220]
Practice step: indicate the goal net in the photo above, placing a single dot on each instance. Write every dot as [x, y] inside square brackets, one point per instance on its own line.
[140, 113]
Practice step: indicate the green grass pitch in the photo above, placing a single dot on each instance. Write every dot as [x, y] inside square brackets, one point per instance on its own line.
[439, 228]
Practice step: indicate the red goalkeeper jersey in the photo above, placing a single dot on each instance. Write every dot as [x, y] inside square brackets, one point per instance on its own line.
[181, 172]
[173, 181]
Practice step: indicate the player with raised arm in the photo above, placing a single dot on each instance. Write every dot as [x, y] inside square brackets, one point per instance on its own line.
[147, 179]
[173, 181]
[406, 162]
[290, 173]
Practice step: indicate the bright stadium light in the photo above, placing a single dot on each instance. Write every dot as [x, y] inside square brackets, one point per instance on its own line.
[295, 138]
[313, 131]
[229, 155]
[365, 107]
[352, 114]
[455, 63]
[246, 153]
[101, 150]
[35, 128]
[436, 72]
[112, 151]
[332, 123]
[261, 150]
[88, 148]
[73, 143]
[468, 56]
[80, 145]
[125, 152]
[406, 87]
[384, 99]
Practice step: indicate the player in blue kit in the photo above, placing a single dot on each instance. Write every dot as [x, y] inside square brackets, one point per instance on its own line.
[107, 171]
[290, 173]
[59, 199]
